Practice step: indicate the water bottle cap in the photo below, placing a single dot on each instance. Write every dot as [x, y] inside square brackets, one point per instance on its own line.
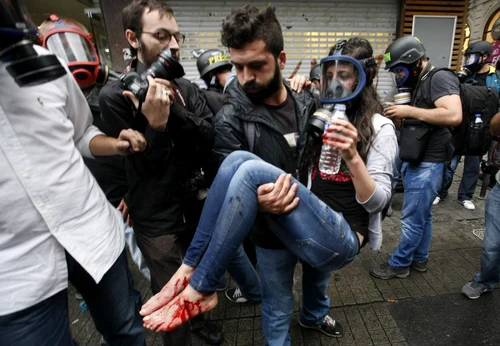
[478, 115]
[340, 107]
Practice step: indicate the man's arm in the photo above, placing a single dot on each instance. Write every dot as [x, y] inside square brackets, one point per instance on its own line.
[448, 112]
[445, 91]
[89, 140]
[228, 134]
[128, 142]
[196, 117]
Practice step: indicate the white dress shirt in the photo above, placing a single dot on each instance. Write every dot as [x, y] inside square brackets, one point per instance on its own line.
[49, 201]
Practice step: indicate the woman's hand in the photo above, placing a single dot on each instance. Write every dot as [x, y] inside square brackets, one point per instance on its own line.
[344, 136]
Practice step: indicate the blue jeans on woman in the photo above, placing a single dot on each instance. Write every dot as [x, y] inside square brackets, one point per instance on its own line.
[421, 185]
[490, 255]
[313, 232]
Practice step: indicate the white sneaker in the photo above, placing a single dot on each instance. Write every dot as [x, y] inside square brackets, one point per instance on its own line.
[468, 205]
[436, 200]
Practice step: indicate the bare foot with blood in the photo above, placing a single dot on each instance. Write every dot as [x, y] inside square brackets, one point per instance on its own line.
[188, 304]
[176, 285]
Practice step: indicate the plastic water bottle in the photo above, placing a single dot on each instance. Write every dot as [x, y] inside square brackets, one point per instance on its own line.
[476, 133]
[331, 157]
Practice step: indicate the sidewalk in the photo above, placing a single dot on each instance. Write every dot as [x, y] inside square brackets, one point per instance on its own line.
[372, 311]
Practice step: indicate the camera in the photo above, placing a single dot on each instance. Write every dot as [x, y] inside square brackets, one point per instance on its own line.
[165, 67]
[464, 74]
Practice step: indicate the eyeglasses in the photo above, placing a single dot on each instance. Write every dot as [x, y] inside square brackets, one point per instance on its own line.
[164, 36]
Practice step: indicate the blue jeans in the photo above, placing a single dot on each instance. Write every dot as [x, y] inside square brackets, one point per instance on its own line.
[469, 179]
[421, 185]
[276, 268]
[242, 271]
[490, 255]
[111, 304]
[313, 232]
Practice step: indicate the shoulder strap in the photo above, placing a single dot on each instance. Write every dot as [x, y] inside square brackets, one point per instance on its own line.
[424, 87]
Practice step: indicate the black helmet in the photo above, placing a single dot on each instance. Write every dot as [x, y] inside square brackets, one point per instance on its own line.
[404, 50]
[15, 23]
[479, 47]
[315, 73]
[211, 60]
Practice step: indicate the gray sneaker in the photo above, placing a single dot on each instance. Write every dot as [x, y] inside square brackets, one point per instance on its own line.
[386, 272]
[473, 290]
[420, 266]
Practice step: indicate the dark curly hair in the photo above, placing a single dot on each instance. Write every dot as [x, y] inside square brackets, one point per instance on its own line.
[247, 24]
[361, 109]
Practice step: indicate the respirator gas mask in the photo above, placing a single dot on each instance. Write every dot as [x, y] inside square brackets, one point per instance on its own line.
[74, 47]
[406, 75]
[471, 64]
[342, 80]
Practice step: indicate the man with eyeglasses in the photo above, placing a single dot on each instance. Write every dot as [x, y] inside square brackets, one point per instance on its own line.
[164, 183]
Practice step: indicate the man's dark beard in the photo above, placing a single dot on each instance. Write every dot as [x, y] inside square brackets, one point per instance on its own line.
[263, 91]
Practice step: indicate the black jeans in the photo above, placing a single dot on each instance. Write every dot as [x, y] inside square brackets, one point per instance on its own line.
[163, 255]
[111, 304]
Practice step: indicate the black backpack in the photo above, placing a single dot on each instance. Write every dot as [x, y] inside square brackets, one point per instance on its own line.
[475, 100]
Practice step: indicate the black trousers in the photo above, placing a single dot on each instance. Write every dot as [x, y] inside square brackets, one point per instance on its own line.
[163, 255]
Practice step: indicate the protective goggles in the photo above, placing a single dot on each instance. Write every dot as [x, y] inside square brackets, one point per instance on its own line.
[342, 79]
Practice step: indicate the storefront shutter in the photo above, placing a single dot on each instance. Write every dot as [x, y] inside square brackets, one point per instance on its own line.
[310, 28]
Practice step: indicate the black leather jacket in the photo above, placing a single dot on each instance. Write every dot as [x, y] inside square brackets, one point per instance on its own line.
[269, 144]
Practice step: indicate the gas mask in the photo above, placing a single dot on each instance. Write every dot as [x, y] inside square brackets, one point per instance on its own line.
[406, 75]
[77, 51]
[472, 62]
[342, 80]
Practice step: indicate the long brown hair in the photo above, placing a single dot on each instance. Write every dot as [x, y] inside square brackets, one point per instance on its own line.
[360, 111]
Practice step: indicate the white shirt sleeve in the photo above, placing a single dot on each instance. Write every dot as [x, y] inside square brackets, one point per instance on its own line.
[78, 112]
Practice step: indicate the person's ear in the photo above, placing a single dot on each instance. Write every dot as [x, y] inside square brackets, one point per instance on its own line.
[282, 60]
[132, 39]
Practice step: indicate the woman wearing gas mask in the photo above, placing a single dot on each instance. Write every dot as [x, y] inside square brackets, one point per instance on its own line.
[324, 221]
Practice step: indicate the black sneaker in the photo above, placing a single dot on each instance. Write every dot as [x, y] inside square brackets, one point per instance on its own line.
[386, 272]
[419, 266]
[328, 327]
[210, 333]
[236, 296]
